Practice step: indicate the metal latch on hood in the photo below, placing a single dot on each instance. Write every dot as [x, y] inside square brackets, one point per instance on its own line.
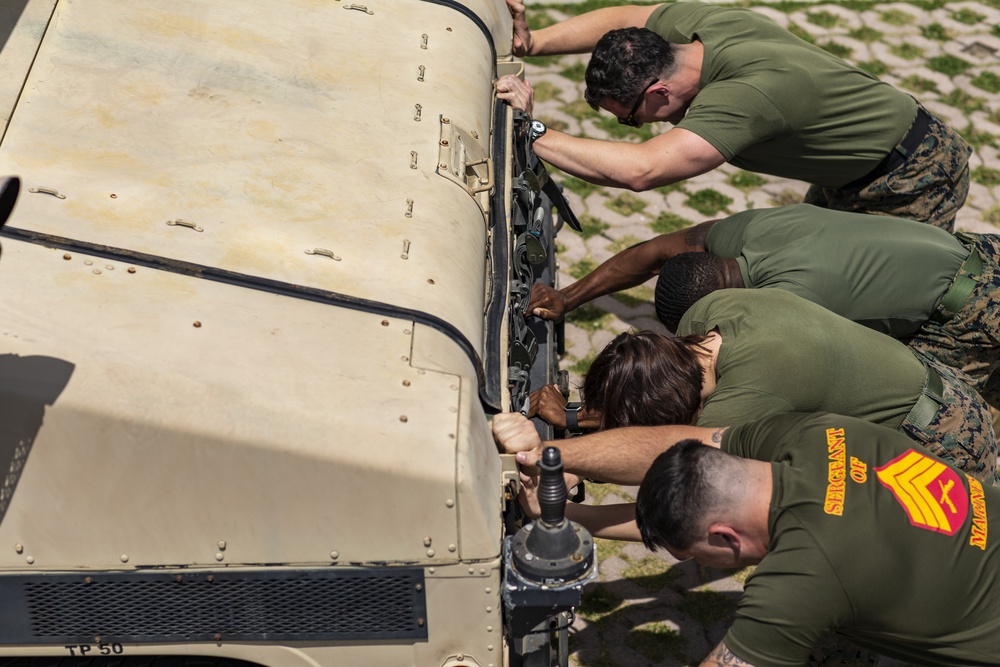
[462, 159]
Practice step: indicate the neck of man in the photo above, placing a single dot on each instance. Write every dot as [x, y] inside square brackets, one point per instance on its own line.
[708, 353]
[757, 508]
[731, 276]
[746, 496]
[686, 79]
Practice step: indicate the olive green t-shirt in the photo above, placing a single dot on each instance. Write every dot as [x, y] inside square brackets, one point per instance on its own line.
[885, 273]
[772, 103]
[781, 353]
[872, 537]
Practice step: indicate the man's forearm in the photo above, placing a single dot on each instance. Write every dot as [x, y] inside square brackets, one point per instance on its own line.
[611, 522]
[611, 163]
[667, 158]
[632, 266]
[580, 34]
[623, 455]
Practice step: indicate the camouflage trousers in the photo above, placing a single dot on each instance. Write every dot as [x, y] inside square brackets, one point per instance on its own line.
[960, 430]
[930, 186]
[969, 340]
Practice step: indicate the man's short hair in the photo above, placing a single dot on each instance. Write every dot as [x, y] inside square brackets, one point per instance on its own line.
[645, 379]
[623, 64]
[677, 496]
[684, 279]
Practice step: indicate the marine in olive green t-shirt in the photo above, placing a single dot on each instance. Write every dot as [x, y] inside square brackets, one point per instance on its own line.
[885, 273]
[870, 537]
[771, 103]
[781, 353]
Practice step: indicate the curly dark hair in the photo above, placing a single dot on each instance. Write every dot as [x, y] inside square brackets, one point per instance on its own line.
[645, 379]
[624, 62]
[684, 279]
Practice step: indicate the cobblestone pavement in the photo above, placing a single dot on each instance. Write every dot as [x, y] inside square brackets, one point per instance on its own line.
[646, 608]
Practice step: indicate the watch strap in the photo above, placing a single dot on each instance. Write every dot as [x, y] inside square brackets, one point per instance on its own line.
[573, 417]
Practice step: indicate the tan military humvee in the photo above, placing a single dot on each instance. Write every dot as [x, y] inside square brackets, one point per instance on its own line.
[262, 289]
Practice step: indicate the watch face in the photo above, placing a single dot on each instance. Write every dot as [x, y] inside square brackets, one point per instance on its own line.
[537, 129]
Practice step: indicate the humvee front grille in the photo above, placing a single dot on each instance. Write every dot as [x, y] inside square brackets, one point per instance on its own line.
[184, 606]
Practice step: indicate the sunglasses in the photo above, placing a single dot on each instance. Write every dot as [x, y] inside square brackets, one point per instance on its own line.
[630, 118]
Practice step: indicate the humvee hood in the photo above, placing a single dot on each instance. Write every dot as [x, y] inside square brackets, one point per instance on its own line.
[293, 142]
[147, 417]
[290, 152]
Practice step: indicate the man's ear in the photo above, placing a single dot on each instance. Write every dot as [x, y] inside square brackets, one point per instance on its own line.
[660, 88]
[724, 536]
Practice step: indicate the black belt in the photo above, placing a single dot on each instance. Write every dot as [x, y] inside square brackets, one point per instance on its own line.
[900, 152]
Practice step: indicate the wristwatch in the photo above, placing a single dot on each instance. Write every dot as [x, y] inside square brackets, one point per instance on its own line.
[573, 418]
[536, 130]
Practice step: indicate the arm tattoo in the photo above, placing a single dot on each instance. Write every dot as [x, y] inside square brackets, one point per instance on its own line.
[723, 657]
[717, 435]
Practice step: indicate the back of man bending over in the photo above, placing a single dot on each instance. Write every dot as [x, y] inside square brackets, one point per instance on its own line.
[938, 291]
[740, 89]
[854, 529]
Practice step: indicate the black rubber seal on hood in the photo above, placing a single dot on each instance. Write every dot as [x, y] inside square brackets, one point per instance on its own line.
[472, 16]
[256, 283]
